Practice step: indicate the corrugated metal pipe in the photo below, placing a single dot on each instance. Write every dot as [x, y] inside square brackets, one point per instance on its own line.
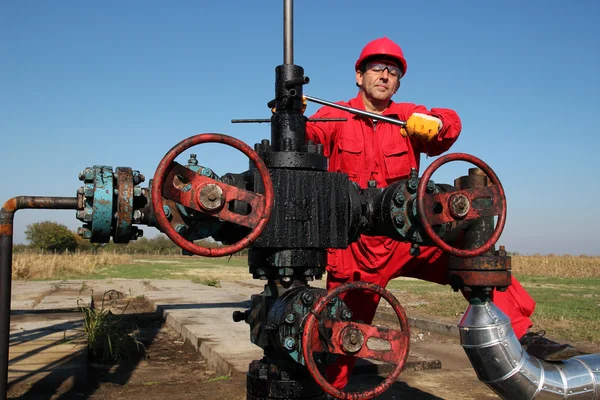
[501, 362]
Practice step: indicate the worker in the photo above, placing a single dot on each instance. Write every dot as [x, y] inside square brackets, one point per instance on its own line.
[369, 150]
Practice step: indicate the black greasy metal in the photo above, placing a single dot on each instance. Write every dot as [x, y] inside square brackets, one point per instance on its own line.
[288, 124]
[305, 215]
[266, 380]
[7, 214]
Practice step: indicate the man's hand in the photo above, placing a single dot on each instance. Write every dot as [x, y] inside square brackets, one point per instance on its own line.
[422, 126]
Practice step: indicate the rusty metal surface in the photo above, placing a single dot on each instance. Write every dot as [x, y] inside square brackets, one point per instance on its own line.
[399, 340]
[425, 204]
[122, 228]
[6, 246]
[163, 186]
[481, 263]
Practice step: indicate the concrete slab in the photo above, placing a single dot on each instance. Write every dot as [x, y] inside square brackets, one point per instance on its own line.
[201, 314]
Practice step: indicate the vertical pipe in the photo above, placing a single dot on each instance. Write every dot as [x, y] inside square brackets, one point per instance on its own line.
[7, 214]
[6, 240]
[288, 32]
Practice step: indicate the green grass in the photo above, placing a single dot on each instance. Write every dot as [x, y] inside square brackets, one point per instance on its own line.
[567, 308]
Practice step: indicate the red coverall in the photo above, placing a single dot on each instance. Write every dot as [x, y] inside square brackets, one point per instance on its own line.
[367, 151]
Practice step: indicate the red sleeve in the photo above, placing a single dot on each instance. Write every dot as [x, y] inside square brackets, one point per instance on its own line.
[324, 132]
[446, 137]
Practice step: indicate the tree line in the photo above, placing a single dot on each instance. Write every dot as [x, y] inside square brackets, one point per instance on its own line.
[53, 237]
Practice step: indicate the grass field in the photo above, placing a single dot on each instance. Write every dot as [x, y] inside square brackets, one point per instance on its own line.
[566, 288]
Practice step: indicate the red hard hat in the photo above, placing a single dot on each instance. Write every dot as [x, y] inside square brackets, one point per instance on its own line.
[382, 47]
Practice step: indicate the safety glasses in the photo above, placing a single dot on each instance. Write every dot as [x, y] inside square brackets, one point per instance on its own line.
[379, 66]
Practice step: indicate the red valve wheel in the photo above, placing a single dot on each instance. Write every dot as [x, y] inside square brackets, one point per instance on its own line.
[464, 199]
[350, 338]
[210, 196]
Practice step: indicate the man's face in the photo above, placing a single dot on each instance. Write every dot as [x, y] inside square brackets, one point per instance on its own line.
[378, 84]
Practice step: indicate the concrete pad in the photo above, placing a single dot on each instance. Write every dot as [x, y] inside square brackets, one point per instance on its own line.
[200, 313]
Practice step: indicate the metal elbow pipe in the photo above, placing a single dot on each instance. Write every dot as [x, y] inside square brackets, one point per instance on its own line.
[501, 362]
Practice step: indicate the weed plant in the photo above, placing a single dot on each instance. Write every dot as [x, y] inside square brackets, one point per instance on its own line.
[110, 338]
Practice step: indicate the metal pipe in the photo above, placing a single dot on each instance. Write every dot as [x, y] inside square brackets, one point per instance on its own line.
[362, 113]
[501, 362]
[6, 246]
[288, 32]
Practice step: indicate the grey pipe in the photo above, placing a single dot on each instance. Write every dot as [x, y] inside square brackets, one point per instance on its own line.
[288, 32]
[501, 362]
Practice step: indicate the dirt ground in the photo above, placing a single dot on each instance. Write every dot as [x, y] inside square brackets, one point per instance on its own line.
[167, 369]
[171, 369]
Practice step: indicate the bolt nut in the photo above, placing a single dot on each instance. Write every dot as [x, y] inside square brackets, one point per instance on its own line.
[167, 211]
[88, 191]
[289, 343]
[399, 220]
[181, 229]
[80, 215]
[307, 298]
[412, 185]
[193, 160]
[346, 315]
[88, 215]
[430, 187]
[372, 184]
[137, 191]
[290, 318]
[399, 198]
[137, 216]
[84, 232]
[320, 148]
[138, 177]
[415, 250]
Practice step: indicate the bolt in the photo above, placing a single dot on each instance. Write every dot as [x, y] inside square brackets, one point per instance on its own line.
[333, 301]
[372, 184]
[88, 215]
[415, 250]
[192, 160]
[181, 229]
[138, 178]
[84, 232]
[399, 220]
[320, 148]
[137, 216]
[289, 343]
[307, 298]
[286, 279]
[430, 187]
[353, 338]
[80, 215]
[167, 211]
[412, 185]
[137, 191]
[399, 198]
[290, 318]
[88, 191]
[346, 315]
[87, 174]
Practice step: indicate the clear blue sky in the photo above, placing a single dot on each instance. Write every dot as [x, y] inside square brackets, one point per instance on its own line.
[120, 82]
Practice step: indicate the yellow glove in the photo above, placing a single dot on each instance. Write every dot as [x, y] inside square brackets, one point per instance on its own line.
[422, 126]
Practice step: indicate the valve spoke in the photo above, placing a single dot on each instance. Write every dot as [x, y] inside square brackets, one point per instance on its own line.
[471, 212]
[189, 194]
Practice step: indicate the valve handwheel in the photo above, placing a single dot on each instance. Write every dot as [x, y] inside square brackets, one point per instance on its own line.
[458, 206]
[350, 338]
[209, 196]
